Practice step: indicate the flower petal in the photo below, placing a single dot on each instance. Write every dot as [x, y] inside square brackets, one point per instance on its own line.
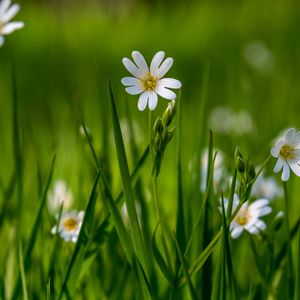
[170, 83]
[165, 93]
[236, 232]
[152, 100]
[131, 67]
[289, 135]
[286, 172]
[11, 27]
[4, 5]
[264, 211]
[134, 90]
[278, 165]
[156, 61]
[10, 13]
[140, 62]
[130, 81]
[261, 225]
[164, 68]
[295, 167]
[143, 99]
[259, 204]
[275, 151]
[253, 230]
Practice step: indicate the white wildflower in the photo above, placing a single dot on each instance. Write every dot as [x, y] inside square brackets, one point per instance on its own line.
[8, 12]
[287, 150]
[149, 82]
[69, 225]
[266, 187]
[248, 217]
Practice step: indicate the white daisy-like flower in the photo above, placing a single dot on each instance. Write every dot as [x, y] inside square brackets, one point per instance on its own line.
[8, 12]
[60, 193]
[287, 150]
[69, 225]
[248, 217]
[149, 82]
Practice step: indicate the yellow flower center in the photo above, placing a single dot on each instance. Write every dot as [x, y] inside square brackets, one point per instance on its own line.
[70, 224]
[243, 217]
[287, 151]
[149, 82]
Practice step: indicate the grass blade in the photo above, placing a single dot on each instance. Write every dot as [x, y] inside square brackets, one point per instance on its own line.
[22, 271]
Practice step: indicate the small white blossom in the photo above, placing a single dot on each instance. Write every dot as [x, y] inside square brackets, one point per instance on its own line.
[58, 195]
[69, 225]
[149, 82]
[248, 217]
[287, 150]
[8, 12]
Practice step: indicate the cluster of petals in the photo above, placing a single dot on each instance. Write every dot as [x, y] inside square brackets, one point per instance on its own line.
[287, 150]
[69, 225]
[248, 216]
[7, 12]
[149, 81]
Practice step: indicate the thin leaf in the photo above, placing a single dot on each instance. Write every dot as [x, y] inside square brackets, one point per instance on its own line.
[22, 271]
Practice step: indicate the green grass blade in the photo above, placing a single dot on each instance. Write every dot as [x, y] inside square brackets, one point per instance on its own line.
[84, 234]
[186, 273]
[297, 278]
[126, 183]
[22, 271]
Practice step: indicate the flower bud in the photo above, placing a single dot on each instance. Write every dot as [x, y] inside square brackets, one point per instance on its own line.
[238, 153]
[240, 164]
[169, 113]
[251, 172]
[158, 126]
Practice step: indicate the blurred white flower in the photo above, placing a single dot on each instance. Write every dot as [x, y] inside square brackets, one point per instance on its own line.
[287, 150]
[218, 171]
[224, 120]
[124, 213]
[69, 225]
[248, 217]
[259, 57]
[8, 12]
[59, 194]
[266, 187]
[149, 82]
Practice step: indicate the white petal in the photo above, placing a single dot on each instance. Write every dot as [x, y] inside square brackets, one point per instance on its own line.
[164, 68]
[286, 172]
[134, 90]
[170, 83]
[1, 40]
[275, 151]
[140, 62]
[53, 230]
[296, 139]
[156, 61]
[236, 232]
[152, 101]
[264, 211]
[143, 99]
[296, 168]
[289, 135]
[11, 27]
[131, 67]
[253, 230]
[278, 165]
[258, 204]
[4, 5]
[260, 225]
[130, 81]
[10, 13]
[165, 93]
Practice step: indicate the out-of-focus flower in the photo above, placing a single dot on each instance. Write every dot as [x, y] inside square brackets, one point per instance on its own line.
[59, 194]
[287, 150]
[259, 57]
[266, 187]
[149, 82]
[248, 217]
[224, 120]
[8, 12]
[218, 171]
[69, 225]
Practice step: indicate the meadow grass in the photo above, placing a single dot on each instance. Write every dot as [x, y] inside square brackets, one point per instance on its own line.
[62, 72]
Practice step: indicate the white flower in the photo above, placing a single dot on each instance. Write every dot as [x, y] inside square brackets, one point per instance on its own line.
[266, 187]
[287, 150]
[69, 225]
[58, 195]
[149, 82]
[8, 12]
[248, 217]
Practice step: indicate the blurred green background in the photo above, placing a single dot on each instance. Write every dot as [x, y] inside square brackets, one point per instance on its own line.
[63, 56]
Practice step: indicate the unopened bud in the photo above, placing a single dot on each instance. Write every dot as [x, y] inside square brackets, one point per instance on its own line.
[158, 126]
[240, 165]
[238, 153]
[169, 113]
[251, 172]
